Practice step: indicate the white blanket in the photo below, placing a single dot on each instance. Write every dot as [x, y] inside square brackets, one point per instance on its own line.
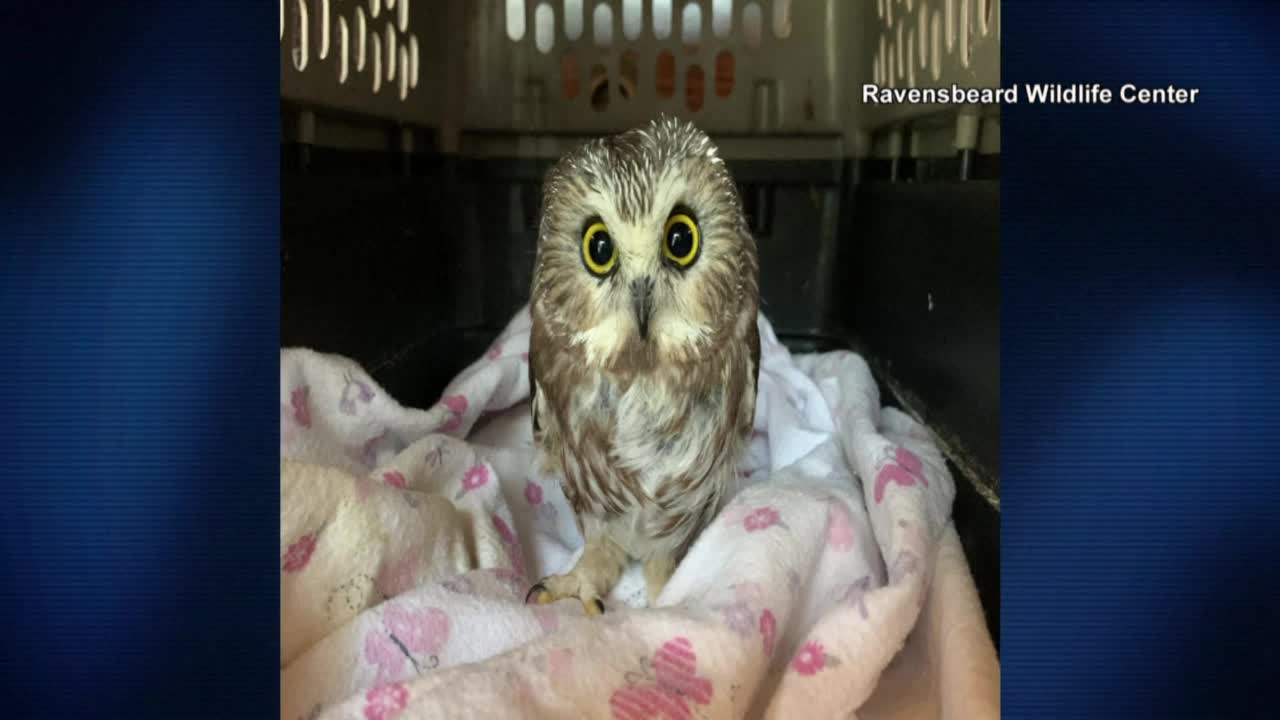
[410, 537]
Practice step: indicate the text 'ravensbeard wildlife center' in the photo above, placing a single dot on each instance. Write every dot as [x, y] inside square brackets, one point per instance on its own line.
[1044, 93]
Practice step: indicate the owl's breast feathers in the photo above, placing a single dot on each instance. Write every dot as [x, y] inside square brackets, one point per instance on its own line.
[661, 438]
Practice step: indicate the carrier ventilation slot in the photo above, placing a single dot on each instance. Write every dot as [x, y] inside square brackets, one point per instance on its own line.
[341, 38]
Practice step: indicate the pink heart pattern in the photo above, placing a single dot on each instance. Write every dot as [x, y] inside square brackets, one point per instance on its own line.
[903, 470]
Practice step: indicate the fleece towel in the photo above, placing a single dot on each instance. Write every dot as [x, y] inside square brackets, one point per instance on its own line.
[409, 538]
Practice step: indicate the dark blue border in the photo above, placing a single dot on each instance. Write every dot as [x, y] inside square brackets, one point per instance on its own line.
[138, 336]
[139, 301]
[1141, 364]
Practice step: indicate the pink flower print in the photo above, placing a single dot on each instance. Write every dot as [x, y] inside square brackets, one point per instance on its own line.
[494, 352]
[739, 618]
[476, 476]
[353, 390]
[511, 543]
[668, 691]
[533, 492]
[903, 470]
[768, 631]
[299, 553]
[401, 575]
[300, 399]
[761, 518]
[394, 478]
[909, 461]
[524, 356]
[906, 564]
[385, 702]
[460, 584]
[457, 405]
[839, 528]
[810, 659]
[749, 591]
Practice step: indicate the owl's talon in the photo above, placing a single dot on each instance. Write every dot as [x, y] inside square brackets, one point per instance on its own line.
[540, 594]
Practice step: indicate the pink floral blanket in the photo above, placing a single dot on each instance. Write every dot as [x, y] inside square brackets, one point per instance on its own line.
[831, 586]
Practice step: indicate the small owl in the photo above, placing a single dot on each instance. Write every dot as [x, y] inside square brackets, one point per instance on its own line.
[644, 353]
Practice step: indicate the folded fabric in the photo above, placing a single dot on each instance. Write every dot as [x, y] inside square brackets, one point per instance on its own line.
[409, 538]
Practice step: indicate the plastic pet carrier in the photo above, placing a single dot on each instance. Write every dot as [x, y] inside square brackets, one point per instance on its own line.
[416, 133]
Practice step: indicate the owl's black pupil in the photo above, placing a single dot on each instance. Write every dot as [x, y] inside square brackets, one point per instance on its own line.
[680, 240]
[601, 248]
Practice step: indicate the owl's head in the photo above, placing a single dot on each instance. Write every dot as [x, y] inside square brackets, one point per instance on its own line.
[643, 247]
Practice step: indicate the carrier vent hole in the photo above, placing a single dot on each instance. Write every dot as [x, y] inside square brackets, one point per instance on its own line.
[632, 18]
[572, 19]
[752, 24]
[599, 88]
[413, 58]
[515, 18]
[922, 30]
[344, 51]
[628, 75]
[299, 42]
[390, 42]
[402, 15]
[724, 73]
[602, 25]
[935, 49]
[782, 19]
[694, 81]
[544, 28]
[665, 75]
[721, 17]
[569, 80]
[362, 39]
[691, 25]
[322, 28]
[661, 10]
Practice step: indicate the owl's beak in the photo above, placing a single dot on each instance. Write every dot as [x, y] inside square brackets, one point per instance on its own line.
[642, 304]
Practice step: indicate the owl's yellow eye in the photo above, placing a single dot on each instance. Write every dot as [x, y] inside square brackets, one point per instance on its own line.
[598, 252]
[680, 240]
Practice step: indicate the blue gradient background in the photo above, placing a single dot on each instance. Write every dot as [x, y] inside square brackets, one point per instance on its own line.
[1140, 281]
[139, 346]
[139, 273]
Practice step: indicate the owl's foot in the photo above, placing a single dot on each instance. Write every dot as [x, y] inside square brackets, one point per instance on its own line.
[560, 587]
[591, 578]
[657, 571]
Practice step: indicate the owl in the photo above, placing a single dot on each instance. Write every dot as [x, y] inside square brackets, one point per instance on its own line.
[644, 352]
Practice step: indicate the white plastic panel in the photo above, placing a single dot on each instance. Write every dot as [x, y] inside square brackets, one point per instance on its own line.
[527, 67]
[906, 50]
[364, 56]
